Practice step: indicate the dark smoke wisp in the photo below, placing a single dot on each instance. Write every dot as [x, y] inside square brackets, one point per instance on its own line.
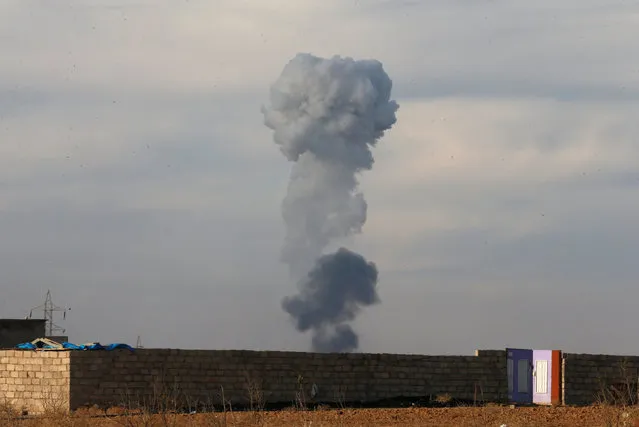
[332, 295]
[326, 114]
[342, 339]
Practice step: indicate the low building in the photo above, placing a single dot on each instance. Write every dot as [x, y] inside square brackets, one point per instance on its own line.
[16, 331]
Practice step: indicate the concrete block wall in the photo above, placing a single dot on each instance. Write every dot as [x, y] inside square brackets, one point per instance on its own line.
[589, 378]
[35, 382]
[38, 381]
[111, 378]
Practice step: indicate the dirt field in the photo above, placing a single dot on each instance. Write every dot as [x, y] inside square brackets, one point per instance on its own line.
[457, 417]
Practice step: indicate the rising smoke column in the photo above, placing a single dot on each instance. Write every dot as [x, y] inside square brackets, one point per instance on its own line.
[331, 295]
[326, 114]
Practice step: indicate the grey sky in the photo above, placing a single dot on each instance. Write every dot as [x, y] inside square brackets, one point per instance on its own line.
[139, 184]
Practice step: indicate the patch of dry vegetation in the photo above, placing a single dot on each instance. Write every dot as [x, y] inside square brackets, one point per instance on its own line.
[166, 406]
[619, 401]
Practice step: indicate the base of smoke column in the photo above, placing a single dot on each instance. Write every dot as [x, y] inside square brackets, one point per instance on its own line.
[340, 339]
[335, 290]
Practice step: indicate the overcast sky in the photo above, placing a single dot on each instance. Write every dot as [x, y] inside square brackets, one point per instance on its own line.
[139, 183]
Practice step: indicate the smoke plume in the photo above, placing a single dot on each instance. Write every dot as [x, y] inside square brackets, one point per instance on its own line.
[331, 295]
[326, 115]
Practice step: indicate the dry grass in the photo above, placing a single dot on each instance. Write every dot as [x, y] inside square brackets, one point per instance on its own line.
[619, 402]
[444, 399]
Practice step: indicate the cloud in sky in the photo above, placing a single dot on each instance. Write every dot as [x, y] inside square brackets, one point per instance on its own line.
[137, 177]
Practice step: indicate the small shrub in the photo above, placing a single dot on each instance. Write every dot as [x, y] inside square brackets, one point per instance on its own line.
[444, 399]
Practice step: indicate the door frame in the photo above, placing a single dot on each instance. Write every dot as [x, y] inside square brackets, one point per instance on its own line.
[538, 356]
[514, 357]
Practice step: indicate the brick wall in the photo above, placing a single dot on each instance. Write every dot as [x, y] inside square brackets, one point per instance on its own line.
[35, 381]
[107, 378]
[589, 378]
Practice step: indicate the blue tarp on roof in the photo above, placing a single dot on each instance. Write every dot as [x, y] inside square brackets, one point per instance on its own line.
[97, 346]
[26, 346]
[70, 346]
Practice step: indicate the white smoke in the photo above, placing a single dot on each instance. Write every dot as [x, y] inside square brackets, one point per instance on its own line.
[326, 115]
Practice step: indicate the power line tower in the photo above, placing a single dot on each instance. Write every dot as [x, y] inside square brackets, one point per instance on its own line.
[48, 308]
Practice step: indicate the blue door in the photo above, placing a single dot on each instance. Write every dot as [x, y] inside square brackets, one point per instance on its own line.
[520, 363]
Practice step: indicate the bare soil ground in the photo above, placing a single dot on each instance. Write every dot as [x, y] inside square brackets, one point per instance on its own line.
[454, 417]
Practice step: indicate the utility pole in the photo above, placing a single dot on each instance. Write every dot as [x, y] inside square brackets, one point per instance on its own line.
[48, 308]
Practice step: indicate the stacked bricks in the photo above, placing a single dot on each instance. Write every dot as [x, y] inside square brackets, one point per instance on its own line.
[598, 378]
[200, 379]
[35, 382]
[197, 377]
[42, 381]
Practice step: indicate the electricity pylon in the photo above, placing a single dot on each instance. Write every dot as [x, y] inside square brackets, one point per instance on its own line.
[49, 308]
